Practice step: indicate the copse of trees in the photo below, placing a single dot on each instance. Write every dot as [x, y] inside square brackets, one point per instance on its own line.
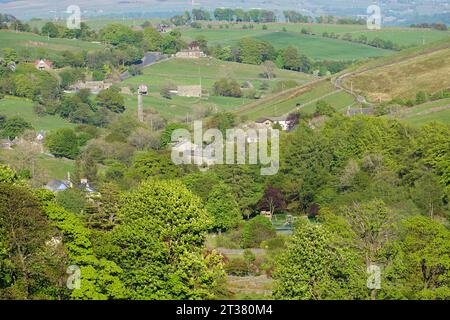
[436, 26]
[227, 88]
[239, 15]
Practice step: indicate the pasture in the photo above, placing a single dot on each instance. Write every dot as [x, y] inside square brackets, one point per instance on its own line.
[313, 46]
[427, 71]
[438, 111]
[12, 106]
[206, 72]
[301, 99]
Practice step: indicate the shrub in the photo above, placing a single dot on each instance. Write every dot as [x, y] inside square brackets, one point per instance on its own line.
[240, 267]
[14, 127]
[227, 88]
[257, 230]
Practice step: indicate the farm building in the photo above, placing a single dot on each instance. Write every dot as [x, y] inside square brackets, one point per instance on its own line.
[94, 86]
[189, 91]
[193, 52]
[43, 65]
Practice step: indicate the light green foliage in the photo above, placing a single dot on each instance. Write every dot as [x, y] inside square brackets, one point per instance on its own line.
[223, 208]
[99, 277]
[433, 146]
[313, 268]
[257, 230]
[154, 164]
[7, 175]
[63, 143]
[161, 244]
[72, 200]
[421, 264]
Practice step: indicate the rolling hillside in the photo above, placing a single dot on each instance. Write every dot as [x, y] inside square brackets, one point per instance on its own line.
[403, 75]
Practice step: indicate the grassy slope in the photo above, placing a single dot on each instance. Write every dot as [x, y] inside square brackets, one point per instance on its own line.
[11, 39]
[299, 99]
[206, 71]
[316, 47]
[405, 74]
[431, 111]
[12, 106]
[191, 72]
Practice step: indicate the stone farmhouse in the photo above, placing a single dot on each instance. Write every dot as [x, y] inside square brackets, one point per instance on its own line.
[193, 52]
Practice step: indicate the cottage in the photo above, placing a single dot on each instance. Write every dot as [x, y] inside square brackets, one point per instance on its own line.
[57, 185]
[43, 65]
[193, 52]
[269, 122]
[189, 91]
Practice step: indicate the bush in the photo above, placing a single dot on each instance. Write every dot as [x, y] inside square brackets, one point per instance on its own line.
[63, 143]
[14, 127]
[240, 267]
[256, 231]
[72, 200]
[324, 109]
[227, 88]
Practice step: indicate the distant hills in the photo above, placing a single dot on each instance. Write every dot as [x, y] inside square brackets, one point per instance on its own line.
[398, 12]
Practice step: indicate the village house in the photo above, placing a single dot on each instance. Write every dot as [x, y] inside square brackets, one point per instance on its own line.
[193, 52]
[269, 122]
[43, 65]
[94, 86]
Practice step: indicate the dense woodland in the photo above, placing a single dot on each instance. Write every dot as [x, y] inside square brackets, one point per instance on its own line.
[363, 191]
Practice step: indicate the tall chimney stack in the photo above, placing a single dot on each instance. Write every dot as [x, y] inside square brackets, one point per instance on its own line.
[140, 108]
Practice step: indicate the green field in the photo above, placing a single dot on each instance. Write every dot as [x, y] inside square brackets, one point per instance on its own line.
[431, 111]
[303, 99]
[206, 72]
[12, 106]
[182, 108]
[40, 46]
[316, 47]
